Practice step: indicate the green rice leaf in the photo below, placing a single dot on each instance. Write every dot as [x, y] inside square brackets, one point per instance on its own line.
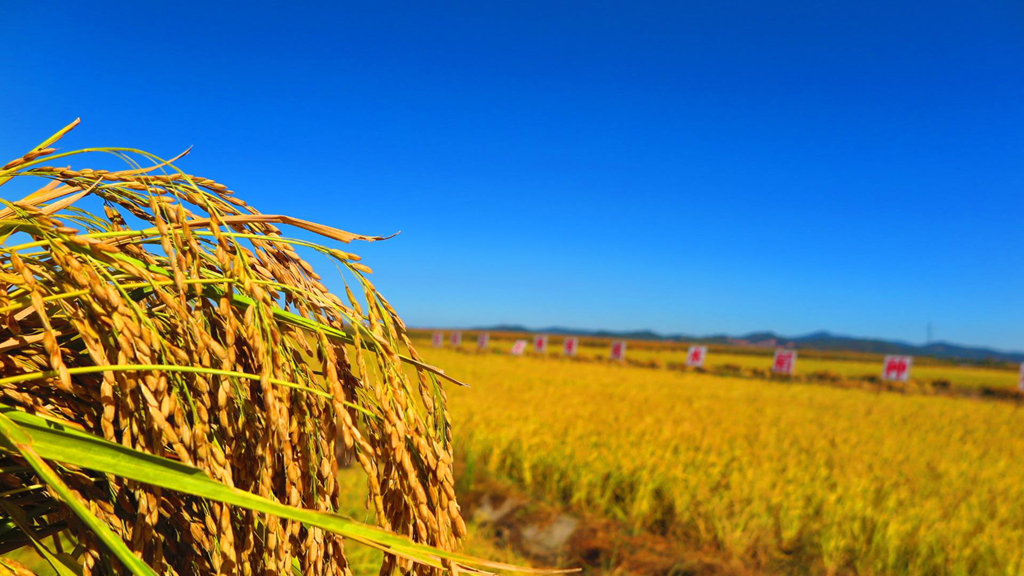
[17, 439]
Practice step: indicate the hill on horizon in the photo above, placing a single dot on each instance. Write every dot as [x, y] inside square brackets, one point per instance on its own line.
[819, 340]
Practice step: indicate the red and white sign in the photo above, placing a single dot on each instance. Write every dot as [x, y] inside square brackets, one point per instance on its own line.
[570, 346]
[618, 350]
[437, 339]
[540, 343]
[456, 338]
[897, 368]
[784, 362]
[519, 347]
[1020, 385]
[696, 355]
[483, 340]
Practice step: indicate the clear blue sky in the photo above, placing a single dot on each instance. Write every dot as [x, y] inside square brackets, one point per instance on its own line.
[694, 167]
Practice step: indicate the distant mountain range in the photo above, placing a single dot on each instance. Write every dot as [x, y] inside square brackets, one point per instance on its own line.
[816, 340]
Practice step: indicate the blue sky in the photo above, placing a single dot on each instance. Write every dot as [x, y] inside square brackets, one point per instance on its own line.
[687, 167]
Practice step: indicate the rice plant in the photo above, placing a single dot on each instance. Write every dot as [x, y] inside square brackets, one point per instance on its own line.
[178, 387]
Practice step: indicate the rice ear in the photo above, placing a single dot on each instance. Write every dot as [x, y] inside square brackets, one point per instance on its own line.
[204, 338]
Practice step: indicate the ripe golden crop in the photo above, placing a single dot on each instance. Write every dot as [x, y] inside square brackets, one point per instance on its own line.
[790, 477]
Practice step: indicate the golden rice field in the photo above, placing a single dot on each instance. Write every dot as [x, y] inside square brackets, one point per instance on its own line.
[788, 478]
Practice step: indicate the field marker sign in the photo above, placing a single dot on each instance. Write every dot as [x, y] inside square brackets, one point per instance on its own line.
[618, 350]
[483, 340]
[897, 368]
[570, 346]
[696, 355]
[784, 362]
[540, 343]
[456, 338]
[1020, 385]
[518, 347]
[437, 339]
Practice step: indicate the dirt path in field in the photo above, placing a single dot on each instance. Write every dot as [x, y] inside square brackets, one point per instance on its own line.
[551, 535]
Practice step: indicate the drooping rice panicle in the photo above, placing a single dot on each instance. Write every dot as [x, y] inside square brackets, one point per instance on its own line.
[180, 322]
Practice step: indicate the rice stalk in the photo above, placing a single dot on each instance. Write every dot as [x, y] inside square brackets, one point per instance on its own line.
[179, 322]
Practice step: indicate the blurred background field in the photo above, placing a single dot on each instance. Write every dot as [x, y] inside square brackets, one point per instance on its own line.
[783, 478]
